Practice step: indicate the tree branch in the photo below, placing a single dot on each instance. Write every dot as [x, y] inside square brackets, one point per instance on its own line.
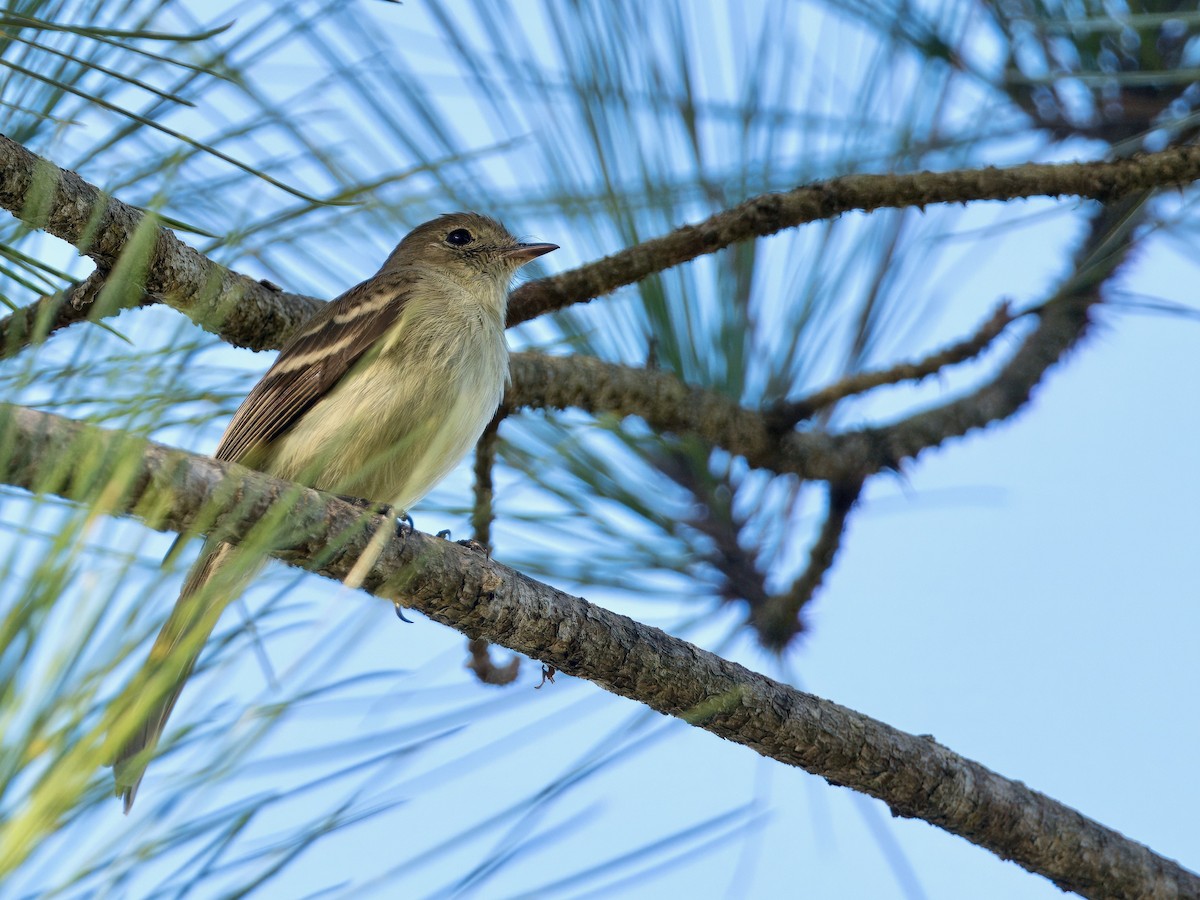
[51, 312]
[667, 404]
[771, 213]
[239, 309]
[256, 316]
[784, 416]
[777, 619]
[249, 314]
[915, 776]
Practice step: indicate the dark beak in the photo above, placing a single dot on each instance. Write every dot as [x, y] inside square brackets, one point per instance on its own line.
[523, 253]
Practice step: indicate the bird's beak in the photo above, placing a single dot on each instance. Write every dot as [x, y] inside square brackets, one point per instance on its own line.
[523, 253]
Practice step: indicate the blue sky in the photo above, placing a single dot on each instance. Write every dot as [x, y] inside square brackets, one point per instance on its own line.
[1026, 594]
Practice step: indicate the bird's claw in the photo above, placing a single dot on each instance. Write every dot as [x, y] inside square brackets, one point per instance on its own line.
[444, 534]
[548, 673]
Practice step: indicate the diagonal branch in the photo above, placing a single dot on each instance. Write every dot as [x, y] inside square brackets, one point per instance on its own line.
[242, 311]
[51, 312]
[915, 776]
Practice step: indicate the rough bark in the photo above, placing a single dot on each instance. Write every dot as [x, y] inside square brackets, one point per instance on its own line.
[914, 775]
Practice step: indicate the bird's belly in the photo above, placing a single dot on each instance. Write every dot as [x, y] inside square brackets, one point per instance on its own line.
[380, 436]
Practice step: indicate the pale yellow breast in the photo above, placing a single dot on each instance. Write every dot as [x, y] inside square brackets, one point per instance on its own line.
[401, 421]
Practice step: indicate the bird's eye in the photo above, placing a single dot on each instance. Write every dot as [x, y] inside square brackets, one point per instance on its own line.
[459, 237]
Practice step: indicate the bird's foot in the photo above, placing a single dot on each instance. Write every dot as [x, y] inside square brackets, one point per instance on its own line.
[444, 534]
[548, 673]
[404, 522]
[404, 526]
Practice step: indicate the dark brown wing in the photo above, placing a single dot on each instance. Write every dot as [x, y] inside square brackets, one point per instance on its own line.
[313, 361]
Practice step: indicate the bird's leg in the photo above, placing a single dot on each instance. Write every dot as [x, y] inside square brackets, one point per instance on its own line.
[404, 523]
[548, 673]
[404, 526]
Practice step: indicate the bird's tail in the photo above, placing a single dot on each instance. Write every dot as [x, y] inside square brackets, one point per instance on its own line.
[206, 592]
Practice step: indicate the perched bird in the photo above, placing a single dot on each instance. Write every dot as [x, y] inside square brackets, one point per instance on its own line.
[377, 397]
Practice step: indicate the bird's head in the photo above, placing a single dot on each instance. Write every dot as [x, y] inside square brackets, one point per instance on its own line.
[467, 247]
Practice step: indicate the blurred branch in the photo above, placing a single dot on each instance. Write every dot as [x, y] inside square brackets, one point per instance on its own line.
[482, 512]
[778, 620]
[712, 515]
[915, 776]
[31, 324]
[486, 670]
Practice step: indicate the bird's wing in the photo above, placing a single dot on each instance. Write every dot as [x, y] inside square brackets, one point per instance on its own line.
[312, 362]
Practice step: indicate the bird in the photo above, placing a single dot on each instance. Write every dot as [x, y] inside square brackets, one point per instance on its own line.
[376, 397]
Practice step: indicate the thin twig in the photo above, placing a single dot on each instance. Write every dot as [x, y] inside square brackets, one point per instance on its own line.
[482, 515]
[785, 416]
